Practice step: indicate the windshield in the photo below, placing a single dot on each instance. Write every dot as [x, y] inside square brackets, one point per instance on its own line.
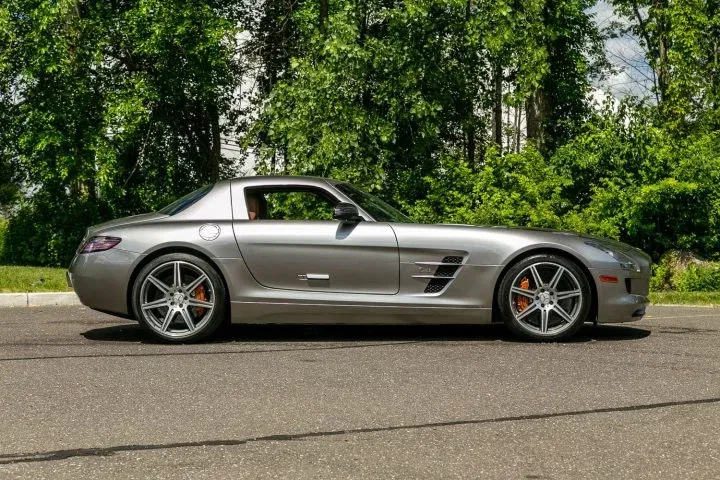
[184, 202]
[380, 210]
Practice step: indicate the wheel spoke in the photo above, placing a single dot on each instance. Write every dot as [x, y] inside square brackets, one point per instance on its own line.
[177, 278]
[158, 284]
[536, 276]
[556, 278]
[568, 294]
[544, 314]
[155, 304]
[194, 302]
[188, 319]
[527, 311]
[562, 313]
[196, 283]
[168, 318]
[523, 291]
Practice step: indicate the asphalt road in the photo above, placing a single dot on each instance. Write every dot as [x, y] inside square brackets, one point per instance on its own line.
[86, 395]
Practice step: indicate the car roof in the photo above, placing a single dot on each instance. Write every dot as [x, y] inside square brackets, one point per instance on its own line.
[257, 180]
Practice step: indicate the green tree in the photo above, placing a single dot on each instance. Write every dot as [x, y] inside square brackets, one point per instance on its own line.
[559, 107]
[681, 40]
[382, 90]
[117, 106]
[633, 181]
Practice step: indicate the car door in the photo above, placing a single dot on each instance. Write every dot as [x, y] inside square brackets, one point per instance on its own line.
[302, 248]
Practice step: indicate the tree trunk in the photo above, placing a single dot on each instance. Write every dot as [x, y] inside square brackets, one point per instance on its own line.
[518, 113]
[509, 136]
[655, 37]
[497, 105]
[323, 15]
[470, 142]
[533, 117]
[216, 151]
[661, 6]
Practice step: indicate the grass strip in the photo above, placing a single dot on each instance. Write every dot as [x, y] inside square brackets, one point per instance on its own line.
[32, 279]
[685, 298]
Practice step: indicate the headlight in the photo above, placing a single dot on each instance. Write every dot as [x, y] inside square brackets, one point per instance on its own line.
[625, 262]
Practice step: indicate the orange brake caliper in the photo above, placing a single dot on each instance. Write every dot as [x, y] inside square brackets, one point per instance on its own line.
[200, 295]
[522, 302]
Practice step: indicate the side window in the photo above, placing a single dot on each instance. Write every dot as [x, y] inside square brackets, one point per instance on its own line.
[288, 204]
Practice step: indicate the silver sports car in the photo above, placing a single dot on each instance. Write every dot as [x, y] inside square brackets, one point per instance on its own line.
[282, 249]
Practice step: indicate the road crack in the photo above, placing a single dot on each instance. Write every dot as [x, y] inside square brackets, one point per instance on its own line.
[54, 455]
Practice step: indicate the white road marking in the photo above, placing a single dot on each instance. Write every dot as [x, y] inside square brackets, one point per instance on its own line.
[648, 317]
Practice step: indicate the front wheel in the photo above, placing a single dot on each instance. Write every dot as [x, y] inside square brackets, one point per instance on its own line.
[544, 297]
[179, 298]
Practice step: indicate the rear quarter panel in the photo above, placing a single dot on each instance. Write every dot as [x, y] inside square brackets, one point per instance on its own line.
[180, 232]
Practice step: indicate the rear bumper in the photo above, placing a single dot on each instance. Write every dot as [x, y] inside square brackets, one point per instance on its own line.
[101, 279]
[624, 300]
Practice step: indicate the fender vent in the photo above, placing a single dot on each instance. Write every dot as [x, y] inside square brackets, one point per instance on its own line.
[436, 285]
[452, 260]
[445, 272]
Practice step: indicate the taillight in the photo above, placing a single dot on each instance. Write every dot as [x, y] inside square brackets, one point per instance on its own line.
[99, 244]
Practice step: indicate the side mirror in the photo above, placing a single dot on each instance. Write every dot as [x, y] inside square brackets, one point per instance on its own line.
[346, 212]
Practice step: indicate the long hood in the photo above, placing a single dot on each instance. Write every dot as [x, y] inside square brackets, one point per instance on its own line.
[544, 232]
[500, 244]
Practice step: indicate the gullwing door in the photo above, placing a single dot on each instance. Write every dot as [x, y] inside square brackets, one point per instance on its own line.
[294, 243]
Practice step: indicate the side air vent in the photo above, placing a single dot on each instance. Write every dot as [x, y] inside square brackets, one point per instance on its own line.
[436, 285]
[452, 260]
[445, 272]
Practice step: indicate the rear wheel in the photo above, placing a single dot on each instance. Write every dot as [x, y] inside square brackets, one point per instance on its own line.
[179, 298]
[544, 297]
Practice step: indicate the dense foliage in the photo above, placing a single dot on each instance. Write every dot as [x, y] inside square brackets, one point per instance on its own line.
[108, 108]
[684, 273]
[456, 110]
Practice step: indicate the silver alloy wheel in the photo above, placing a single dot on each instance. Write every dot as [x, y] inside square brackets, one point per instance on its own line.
[546, 298]
[177, 299]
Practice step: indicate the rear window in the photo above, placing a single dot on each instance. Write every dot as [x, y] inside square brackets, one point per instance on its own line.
[184, 202]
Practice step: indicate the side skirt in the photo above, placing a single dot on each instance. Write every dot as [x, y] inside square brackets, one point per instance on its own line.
[257, 312]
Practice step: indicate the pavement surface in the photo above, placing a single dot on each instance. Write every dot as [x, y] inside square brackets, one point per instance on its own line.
[87, 395]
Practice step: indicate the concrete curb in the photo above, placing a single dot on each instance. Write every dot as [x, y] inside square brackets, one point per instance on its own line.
[700, 305]
[13, 299]
[39, 299]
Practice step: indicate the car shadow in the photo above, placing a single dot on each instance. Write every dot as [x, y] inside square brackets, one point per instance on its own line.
[360, 333]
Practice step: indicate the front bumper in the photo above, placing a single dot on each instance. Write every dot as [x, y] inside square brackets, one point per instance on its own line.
[101, 279]
[624, 300]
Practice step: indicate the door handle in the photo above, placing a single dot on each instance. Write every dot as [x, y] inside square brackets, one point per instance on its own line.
[314, 276]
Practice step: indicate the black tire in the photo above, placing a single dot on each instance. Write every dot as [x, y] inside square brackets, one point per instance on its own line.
[191, 320]
[551, 312]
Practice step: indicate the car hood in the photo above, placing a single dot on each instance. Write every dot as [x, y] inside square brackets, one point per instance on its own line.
[121, 222]
[607, 242]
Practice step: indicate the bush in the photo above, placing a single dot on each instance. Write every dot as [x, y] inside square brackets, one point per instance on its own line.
[633, 182]
[699, 278]
[46, 233]
[519, 189]
[685, 272]
[516, 189]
